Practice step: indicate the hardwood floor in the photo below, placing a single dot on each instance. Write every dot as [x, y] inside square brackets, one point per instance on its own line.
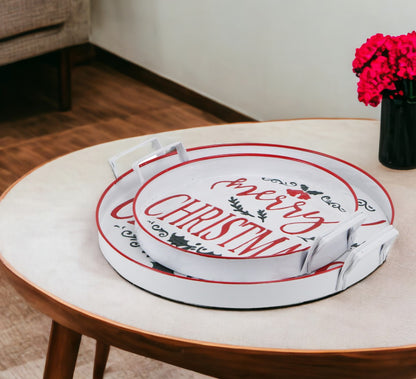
[106, 105]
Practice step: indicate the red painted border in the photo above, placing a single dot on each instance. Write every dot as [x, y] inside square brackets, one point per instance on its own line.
[212, 157]
[291, 148]
[225, 145]
[318, 272]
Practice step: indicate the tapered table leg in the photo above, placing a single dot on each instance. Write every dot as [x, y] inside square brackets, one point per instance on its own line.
[62, 352]
[101, 355]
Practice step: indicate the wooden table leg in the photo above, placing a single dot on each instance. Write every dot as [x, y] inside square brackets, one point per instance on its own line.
[101, 355]
[62, 352]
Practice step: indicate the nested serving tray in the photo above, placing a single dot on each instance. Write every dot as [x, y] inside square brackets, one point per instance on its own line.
[222, 217]
[118, 242]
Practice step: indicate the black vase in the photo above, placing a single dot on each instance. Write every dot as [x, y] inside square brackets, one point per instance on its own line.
[397, 148]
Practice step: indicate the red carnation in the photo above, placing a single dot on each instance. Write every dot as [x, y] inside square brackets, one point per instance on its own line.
[369, 51]
[386, 66]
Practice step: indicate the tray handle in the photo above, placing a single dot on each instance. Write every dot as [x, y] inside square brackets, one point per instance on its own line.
[155, 145]
[365, 258]
[176, 146]
[331, 246]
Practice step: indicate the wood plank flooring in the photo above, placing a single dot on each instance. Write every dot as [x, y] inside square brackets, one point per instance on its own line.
[106, 105]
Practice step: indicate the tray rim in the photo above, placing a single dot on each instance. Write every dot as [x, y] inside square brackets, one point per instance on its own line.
[191, 161]
[290, 147]
[322, 270]
[108, 188]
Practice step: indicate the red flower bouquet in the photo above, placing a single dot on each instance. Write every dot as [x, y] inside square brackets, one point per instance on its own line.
[386, 66]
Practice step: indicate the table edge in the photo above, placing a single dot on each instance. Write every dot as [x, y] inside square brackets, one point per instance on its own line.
[193, 354]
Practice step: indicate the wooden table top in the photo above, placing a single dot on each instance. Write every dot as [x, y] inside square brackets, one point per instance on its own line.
[49, 249]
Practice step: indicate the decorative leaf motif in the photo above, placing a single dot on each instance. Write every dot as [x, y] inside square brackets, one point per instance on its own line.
[236, 205]
[304, 194]
[183, 243]
[306, 189]
[179, 241]
[262, 214]
[314, 192]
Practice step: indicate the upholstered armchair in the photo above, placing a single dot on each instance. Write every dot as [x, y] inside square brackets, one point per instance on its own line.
[30, 28]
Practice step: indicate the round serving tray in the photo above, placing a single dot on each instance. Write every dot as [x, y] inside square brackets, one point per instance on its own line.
[119, 245]
[222, 217]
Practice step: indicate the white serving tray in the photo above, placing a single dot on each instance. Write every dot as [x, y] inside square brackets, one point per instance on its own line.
[119, 245]
[224, 220]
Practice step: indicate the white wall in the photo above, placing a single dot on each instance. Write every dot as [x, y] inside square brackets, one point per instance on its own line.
[269, 59]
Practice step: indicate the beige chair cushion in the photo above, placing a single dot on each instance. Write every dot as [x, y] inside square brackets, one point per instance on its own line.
[20, 16]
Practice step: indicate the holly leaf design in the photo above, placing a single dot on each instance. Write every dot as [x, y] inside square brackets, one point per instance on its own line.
[305, 188]
[179, 241]
[314, 192]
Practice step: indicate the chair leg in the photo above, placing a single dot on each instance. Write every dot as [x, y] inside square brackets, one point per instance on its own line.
[101, 355]
[64, 80]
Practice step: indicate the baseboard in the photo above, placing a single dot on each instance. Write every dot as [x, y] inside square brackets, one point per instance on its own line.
[169, 87]
[82, 54]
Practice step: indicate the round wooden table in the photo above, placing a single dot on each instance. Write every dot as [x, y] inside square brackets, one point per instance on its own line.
[50, 253]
